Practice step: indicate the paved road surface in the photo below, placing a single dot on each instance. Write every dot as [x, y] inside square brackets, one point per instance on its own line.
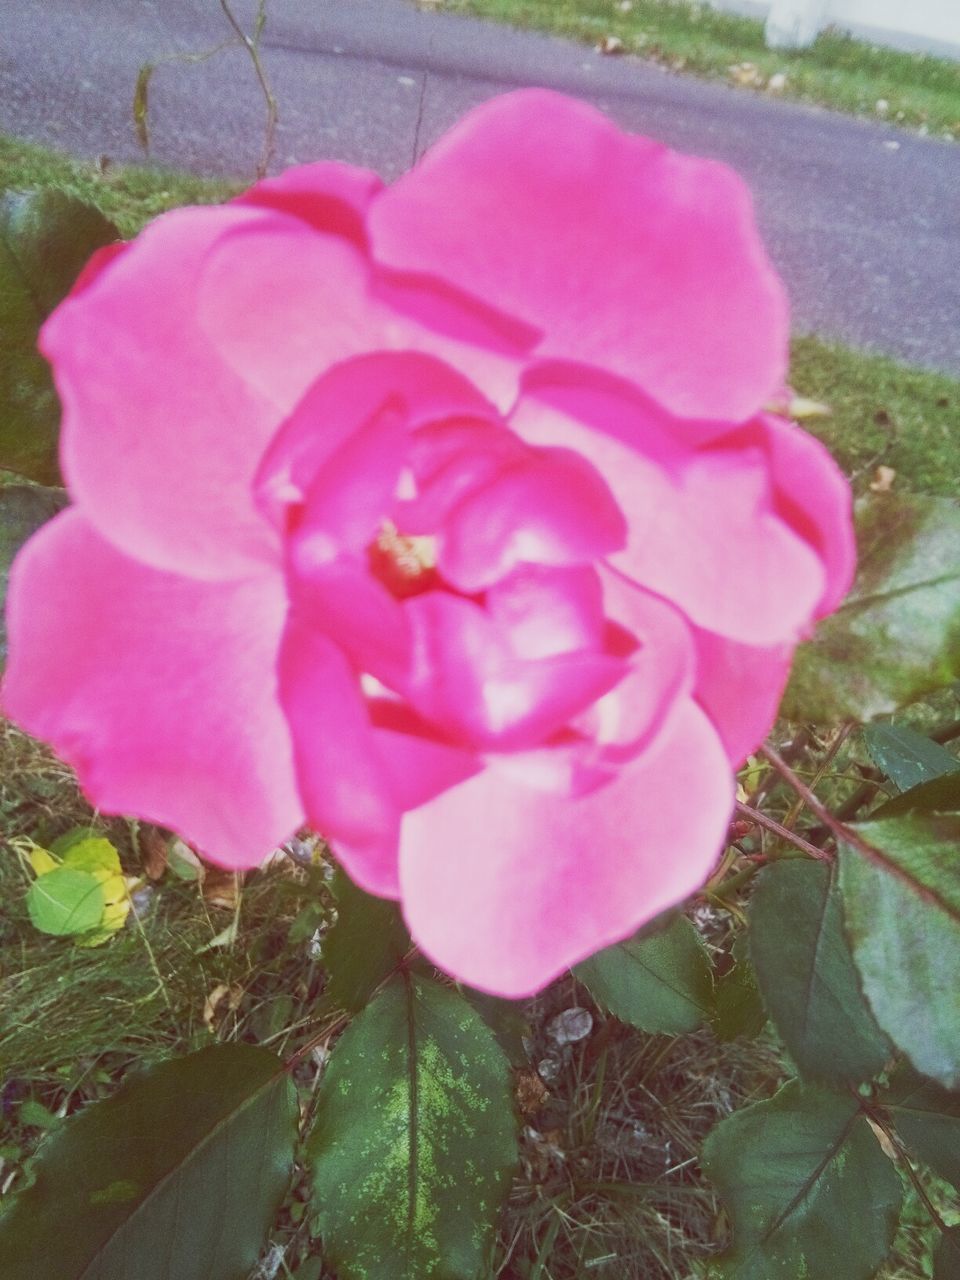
[863, 221]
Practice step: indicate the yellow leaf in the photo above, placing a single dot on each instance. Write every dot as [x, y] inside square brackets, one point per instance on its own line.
[96, 855]
[800, 407]
[42, 861]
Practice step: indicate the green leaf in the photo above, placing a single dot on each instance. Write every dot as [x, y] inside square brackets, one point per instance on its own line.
[897, 634]
[808, 1188]
[946, 1263]
[659, 982]
[927, 1118]
[507, 1019]
[365, 945]
[23, 509]
[903, 922]
[312, 1269]
[66, 901]
[46, 237]
[907, 758]
[737, 1008]
[176, 1177]
[415, 1138]
[36, 1114]
[807, 976]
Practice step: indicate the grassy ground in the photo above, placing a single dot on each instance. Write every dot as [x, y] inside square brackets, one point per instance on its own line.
[609, 1184]
[913, 90]
[129, 195]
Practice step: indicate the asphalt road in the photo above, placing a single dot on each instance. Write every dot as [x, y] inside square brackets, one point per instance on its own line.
[862, 220]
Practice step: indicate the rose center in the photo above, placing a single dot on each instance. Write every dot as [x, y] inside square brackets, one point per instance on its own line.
[405, 564]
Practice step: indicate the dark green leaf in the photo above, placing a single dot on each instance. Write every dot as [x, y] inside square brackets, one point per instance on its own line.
[312, 1269]
[946, 1263]
[507, 1019]
[66, 901]
[902, 913]
[906, 757]
[176, 1177]
[737, 1008]
[365, 945]
[415, 1138]
[807, 976]
[897, 635]
[928, 1120]
[46, 237]
[23, 509]
[660, 982]
[808, 1188]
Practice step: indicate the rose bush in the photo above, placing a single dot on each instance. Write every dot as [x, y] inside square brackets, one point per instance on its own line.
[446, 516]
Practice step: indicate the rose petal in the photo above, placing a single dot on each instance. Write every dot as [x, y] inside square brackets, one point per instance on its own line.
[283, 303]
[449, 461]
[341, 599]
[543, 611]
[160, 440]
[352, 492]
[506, 887]
[466, 680]
[419, 764]
[344, 783]
[553, 508]
[419, 388]
[661, 671]
[626, 255]
[96, 264]
[159, 690]
[703, 526]
[816, 498]
[740, 687]
[330, 197]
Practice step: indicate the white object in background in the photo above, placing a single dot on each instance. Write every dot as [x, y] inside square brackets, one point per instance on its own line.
[794, 24]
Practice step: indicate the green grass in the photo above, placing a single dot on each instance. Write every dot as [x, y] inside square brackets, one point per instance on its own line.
[129, 195]
[608, 1185]
[838, 72]
[883, 413]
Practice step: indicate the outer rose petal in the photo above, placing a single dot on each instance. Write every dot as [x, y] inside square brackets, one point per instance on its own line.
[507, 886]
[625, 254]
[283, 303]
[703, 529]
[329, 196]
[817, 496]
[160, 439]
[159, 690]
[96, 264]
[740, 686]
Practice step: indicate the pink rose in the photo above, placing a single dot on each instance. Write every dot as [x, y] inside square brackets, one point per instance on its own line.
[445, 516]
